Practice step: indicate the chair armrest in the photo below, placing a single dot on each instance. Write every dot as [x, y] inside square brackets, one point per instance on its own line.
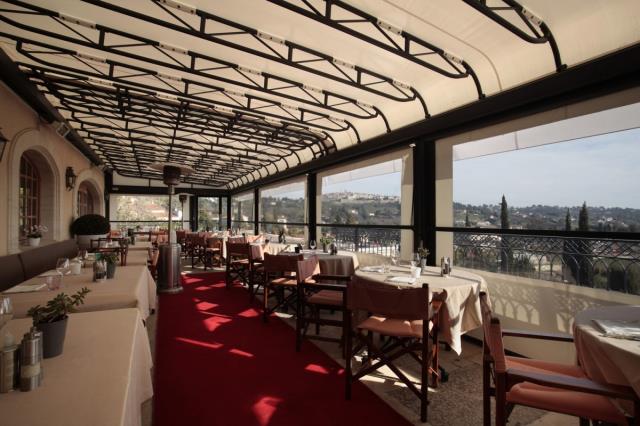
[345, 278]
[324, 286]
[570, 383]
[559, 337]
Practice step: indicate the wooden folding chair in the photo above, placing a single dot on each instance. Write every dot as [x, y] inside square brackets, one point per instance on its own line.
[400, 312]
[279, 278]
[213, 252]
[544, 385]
[318, 292]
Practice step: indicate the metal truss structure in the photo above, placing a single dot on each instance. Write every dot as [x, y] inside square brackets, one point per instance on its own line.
[536, 31]
[138, 98]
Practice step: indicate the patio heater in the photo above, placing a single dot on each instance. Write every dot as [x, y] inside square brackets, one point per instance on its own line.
[169, 256]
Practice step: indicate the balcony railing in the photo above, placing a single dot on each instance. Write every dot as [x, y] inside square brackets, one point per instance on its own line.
[365, 239]
[612, 264]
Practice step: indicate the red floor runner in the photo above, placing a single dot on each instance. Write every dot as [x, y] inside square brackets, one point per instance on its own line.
[217, 363]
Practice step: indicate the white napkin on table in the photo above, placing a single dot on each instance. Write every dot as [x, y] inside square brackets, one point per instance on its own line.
[401, 280]
[25, 288]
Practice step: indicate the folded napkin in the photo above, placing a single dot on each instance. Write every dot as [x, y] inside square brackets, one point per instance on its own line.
[372, 269]
[51, 273]
[25, 288]
[619, 329]
[401, 280]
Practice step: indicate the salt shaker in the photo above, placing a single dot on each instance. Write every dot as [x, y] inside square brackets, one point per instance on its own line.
[31, 360]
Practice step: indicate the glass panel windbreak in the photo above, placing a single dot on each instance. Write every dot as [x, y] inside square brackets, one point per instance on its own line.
[146, 211]
[209, 214]
[283, 213]
[587, 184]
[369, 195]
[362, 209]
[242, 212]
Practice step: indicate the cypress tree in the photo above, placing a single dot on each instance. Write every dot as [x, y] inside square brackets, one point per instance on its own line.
[567, 221]
[467, 224]
[504, 214]
[583, 219]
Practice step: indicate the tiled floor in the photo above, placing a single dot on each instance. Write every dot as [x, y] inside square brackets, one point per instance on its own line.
[457, 402]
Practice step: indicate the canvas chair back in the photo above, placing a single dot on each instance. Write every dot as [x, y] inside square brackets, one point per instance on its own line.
[492, 335]
[388, 300]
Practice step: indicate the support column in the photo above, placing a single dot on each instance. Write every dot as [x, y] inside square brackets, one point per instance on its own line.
[256, 211]
[228, 212]
[193, 213]
[424, 197]
[312, 191]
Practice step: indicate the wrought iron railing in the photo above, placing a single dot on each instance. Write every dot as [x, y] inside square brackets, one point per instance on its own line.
[612, 264]
[147, 224]
[364, 239]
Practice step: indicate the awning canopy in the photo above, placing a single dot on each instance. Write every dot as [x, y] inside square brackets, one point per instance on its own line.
[243, 89]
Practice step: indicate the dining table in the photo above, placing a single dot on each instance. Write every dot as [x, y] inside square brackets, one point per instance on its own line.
[461, 311]
[343, 263]
[609, 358]
[132, 287]
[101, 378]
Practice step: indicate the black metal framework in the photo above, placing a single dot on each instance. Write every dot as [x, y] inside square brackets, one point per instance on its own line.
[535, 30]
[212, 28]
[349, 19]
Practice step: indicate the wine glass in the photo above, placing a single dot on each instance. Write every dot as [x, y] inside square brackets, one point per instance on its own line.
[62, 266]
[312, 244]
[394, 257]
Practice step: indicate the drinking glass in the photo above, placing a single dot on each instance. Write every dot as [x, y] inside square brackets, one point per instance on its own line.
[62, 265]
[83, 255]
[312, 244]
[394, 257]
[6, 311]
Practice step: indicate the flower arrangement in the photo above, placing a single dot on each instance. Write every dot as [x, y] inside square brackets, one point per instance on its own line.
[35, 231]
[326, 239]
[110, 257]
[423, 252]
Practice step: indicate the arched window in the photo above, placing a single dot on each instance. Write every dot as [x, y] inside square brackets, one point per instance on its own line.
[29, 194]
[85, 200]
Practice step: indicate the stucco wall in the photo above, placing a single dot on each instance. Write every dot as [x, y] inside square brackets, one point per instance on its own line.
[26, 131]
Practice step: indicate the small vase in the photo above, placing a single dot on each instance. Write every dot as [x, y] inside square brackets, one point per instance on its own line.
[34, 242]
[111, 270]
[324, 248]
[423, 262]
[53, 334]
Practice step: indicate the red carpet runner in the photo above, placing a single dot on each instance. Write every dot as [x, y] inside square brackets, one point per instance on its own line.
[217, 363]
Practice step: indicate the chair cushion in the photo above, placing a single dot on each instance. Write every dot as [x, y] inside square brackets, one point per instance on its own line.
[284, 281]
[11, 272]
[41, 259]
[326, 297]
[393, 327]
[567, 402]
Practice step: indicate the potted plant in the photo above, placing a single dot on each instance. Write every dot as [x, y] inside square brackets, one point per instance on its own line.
[34, 234]
[282, 237]
[326, 240]
[423, 253]
[89, 227]
[51, 320]
[111, 259]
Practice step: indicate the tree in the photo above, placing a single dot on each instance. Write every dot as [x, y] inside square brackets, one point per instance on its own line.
[504, 214]
[567, 221]
[505, 251]
[583, 218]
[467, 224]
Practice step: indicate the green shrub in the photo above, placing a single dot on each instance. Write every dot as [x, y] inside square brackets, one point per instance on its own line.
[90, 224]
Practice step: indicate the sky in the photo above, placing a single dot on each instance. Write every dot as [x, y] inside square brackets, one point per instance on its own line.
[601, 170]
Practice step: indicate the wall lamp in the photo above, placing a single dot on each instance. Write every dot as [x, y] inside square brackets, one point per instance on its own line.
[70, 178]
[3, 143]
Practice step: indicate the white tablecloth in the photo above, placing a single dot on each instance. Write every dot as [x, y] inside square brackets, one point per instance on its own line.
[101, 378]
[607, 359]
[461, 311]
[344, 263]
[132, 287]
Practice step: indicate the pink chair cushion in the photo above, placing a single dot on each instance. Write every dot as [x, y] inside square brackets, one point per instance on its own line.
[567, 402]
[284, 281]
[393, 327]
[326, 297]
